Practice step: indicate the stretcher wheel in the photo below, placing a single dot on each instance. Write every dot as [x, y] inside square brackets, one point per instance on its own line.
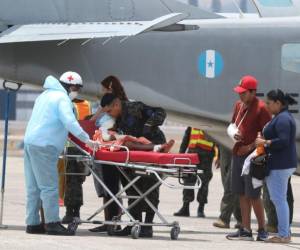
[175, 232]
[135, 231]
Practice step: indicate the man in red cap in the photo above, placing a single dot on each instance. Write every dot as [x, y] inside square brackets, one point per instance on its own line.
[250, 116]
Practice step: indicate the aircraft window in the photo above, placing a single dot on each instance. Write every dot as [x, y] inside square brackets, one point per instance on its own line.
[290, 57]
[223, 6]
[276, 3]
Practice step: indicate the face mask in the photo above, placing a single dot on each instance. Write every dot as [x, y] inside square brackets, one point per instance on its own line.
[73, 94]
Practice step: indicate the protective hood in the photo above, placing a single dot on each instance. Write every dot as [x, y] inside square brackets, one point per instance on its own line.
[52, 83]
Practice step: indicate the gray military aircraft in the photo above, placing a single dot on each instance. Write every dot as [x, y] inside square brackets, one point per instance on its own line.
[188, 65]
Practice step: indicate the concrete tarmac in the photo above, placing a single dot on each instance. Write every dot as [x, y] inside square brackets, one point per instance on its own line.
[195, 233]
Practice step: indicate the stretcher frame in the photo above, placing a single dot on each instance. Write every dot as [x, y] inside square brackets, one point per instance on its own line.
[160, 173]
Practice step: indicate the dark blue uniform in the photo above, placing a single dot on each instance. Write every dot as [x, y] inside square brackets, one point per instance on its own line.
[138, 120]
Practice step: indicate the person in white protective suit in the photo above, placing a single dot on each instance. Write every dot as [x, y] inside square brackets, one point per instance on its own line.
[46, 133]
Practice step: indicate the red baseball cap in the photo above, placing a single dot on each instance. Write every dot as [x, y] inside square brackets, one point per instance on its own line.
[246, 83]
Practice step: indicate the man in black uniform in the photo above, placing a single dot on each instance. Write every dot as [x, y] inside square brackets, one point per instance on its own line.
[195, 141]
[138, 119]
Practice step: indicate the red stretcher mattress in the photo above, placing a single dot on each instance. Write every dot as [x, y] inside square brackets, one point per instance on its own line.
[134, 156]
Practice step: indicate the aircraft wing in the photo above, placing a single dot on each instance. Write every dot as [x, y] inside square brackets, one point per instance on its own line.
[277, 8]
[73, 31]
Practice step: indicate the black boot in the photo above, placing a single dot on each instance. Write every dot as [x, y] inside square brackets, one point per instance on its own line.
[76, 211]
[56, 228]
[137, 215]
[99, 229]
[147, 231]
[200, 212]
[68, 218]
[109, 213]
[35, 229]
[124, 232]
[184, 211]
[103, 228]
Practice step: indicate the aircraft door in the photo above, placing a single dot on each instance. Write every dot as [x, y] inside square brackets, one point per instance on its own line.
[290, 64]
[290, 79]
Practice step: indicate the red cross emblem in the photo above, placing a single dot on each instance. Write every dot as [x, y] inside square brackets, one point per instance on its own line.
[70, 78]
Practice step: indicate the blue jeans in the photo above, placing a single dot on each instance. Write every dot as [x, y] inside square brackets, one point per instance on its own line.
[277, 183]
[41, 179]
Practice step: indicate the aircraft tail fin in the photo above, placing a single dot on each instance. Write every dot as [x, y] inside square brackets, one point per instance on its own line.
[277, 8]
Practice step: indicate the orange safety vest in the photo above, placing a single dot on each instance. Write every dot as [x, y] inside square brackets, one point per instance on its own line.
[82, 109]
[197, 139]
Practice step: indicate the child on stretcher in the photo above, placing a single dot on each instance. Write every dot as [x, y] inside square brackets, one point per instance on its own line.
[112, 141]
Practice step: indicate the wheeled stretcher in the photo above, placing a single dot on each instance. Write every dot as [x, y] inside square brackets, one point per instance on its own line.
[157, 165]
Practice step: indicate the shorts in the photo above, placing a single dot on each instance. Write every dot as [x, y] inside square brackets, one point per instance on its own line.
[242, 185]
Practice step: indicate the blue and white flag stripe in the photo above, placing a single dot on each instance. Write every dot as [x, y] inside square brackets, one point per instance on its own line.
[210, 64]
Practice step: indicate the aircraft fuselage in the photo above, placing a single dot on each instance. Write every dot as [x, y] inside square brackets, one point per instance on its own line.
[162, 68]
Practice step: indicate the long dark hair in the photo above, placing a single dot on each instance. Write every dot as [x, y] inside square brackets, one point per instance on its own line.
[113, 83]
[278, 95]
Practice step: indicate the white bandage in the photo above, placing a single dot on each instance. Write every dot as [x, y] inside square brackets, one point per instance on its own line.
[157, 148]
[105, 134]
[108, 124]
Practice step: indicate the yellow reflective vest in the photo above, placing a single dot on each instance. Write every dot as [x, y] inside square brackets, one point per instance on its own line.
[197, 139]
[82, 109]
